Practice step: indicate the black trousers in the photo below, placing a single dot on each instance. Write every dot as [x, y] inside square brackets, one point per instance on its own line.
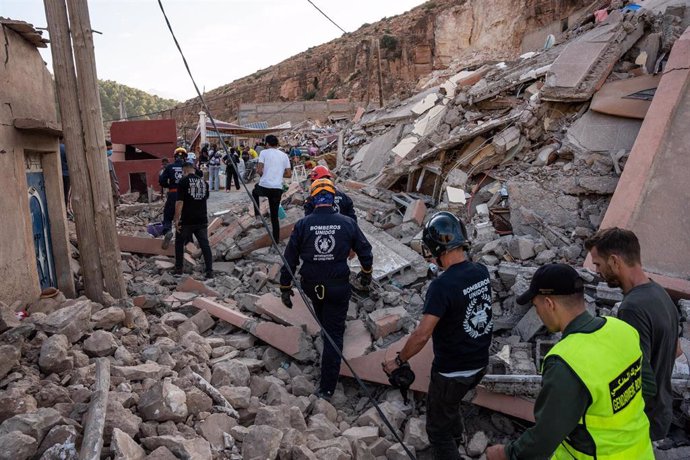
[231, 175]
[169, 211]
[65, 189]
[184, 236]
[274, 195]
[331, 304]
[443, 420]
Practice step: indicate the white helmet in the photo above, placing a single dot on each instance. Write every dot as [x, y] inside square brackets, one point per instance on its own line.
[191, 156]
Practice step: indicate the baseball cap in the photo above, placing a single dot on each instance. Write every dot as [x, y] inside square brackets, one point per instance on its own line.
[552, 279]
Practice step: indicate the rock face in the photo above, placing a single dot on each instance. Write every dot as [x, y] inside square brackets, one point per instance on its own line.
[412, 45]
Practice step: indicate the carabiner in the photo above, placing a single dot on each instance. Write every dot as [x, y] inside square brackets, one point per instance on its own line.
[323, 291]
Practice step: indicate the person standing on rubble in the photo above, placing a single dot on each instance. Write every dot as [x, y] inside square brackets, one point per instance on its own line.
[342, 203]
[591, 402]
[169, 179]
[457, 314]
[323, 241]
[648, 308]
[191, 217]
[273, 166]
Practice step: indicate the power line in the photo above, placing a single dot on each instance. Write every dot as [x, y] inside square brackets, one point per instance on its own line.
[326, 16]
[274, 244]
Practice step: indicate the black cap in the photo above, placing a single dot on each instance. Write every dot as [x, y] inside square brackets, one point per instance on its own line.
[552, 279]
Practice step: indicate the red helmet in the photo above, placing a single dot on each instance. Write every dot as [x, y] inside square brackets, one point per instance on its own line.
[320, 172]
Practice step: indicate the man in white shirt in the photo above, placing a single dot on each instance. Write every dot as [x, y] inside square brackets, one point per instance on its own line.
[274, 165]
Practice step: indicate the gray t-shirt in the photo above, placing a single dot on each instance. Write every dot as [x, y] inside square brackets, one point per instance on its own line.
[649, 309]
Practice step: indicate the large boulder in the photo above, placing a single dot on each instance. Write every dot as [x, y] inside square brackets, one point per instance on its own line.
[72, 321]
[162, 402]
[261, 443]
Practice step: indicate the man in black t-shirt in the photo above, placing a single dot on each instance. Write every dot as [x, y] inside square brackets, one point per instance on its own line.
[457, 314]
[191, 217]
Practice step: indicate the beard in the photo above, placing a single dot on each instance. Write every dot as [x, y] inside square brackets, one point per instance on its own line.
[611, 280]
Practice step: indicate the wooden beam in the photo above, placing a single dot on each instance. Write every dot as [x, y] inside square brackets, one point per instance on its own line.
[82, 200]
[94, 421]
[94, 143]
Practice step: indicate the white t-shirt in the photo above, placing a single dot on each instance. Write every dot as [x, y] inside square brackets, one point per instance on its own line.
[275, 163]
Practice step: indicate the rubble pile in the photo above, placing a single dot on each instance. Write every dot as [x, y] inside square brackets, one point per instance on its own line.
[527, 152]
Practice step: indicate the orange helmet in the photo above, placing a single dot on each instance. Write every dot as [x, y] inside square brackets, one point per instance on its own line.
[322, 185]
[319, 172]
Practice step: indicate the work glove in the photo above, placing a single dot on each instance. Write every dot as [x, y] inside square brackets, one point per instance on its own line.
[285, 294]
[364, 279]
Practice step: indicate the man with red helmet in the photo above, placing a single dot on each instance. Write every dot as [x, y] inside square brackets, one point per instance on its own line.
[342, 203]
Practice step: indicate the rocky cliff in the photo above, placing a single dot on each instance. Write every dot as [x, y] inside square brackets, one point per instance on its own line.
[412, 45]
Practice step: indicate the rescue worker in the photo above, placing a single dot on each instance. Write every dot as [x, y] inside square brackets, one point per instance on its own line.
[169, 179]
[457, 314]
[343, 203]
[323, 240]
[591, 403]
[191, 218]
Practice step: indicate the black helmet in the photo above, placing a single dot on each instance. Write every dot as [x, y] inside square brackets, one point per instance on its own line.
[444, 232]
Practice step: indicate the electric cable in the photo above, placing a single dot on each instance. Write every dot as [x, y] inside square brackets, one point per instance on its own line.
[326, 16]
[274, 244]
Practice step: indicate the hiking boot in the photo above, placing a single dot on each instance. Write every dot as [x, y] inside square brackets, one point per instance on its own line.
[209, 275]
[167, 239]
[325, 395]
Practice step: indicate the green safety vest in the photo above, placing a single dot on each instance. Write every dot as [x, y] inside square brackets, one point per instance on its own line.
[609, 362]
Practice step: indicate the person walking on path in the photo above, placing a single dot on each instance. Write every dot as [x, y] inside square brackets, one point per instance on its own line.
[273, 166]
[648, 308]
[323, 241]
[591, 402]
[457, 314]
[191, 218]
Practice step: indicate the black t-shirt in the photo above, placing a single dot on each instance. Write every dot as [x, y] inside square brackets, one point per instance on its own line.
[461, 298]
[649, 309]
[193, 192]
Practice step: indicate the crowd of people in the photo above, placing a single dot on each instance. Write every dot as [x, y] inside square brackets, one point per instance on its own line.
[606, 389]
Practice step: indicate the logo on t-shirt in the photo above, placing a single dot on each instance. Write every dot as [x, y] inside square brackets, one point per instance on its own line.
[478, 315]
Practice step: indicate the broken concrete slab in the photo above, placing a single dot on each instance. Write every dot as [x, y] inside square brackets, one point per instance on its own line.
[596, 132]
[357, 339]
[386, 321]
[372, 157]
[226, 312]
[189, 284]
[415, 212]
[149, 246]
[651, 187]
[390, 256]
[425, 104]
[291, 340]
[405, 146]
[368, 367]
[298, 315]
[428, 123]
[585, 63]
[629, 98]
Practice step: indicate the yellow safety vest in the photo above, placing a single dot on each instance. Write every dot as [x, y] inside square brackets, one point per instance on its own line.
[609, 362]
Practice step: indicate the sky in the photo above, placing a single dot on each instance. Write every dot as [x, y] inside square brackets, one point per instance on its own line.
[223, 40]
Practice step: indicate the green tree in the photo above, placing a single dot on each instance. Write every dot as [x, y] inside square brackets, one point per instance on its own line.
[137, 103]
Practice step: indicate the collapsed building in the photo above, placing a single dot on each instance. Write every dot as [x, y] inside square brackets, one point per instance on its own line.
[535, 154]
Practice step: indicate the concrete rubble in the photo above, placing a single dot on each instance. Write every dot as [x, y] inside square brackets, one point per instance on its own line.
[221, 369]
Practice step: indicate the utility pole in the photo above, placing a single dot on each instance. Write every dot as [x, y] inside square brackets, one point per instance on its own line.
[85, 143]
[82, 200]
[378, 52]
[94, 141]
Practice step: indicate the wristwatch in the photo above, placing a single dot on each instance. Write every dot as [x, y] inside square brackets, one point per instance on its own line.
[399, 362]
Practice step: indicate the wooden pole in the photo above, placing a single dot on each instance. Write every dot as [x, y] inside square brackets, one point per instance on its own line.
[94, 421]
[378, 61]
[82, 201]
[94, 143]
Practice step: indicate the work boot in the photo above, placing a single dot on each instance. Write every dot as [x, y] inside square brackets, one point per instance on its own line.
[209, 275]
[167, 239]
[325, 395]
